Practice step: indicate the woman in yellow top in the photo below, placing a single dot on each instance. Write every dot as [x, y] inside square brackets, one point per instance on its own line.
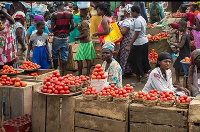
[95, 19]
[77, 20]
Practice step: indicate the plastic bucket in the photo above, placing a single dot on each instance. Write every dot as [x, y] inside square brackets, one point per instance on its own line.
[185, 67]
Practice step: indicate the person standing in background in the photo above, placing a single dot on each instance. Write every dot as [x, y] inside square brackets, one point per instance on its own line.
[62, 23]
[156, 12]
[47, 19]
[120, 13]
[77, 18]
[17, 6]
[143, 9]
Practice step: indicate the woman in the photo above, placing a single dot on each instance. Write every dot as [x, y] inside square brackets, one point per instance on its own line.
[111, 66]
[47, 19]
[194, 73]
[8, 52]
[77, 18]
[138, 47]
[125, 31]
[160, 78]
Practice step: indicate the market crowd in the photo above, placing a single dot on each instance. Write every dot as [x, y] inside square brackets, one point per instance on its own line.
[121, 60]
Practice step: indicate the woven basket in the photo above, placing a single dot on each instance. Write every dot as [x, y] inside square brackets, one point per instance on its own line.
[118, 100]
[182, 105]
[167, 103]
[85, 83]
[90, 97]
[150, 103]
[138, 100]
[131, 96]
[72, 88]
[105, 98]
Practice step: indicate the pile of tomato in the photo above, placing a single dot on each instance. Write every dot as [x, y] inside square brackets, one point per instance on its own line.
[90, 91]
[186, 60]
[9, 69]
[16, 82]
[153, 56]
[178, 14]
[150, 25]
[128, 88]
[167, 96]
[183, 99]
[163, 35]
[35, 74]
[153, 38]
[108, 90]
[150, 96]
[120, 93]
[98, 73]
[140, 94]
[28, 65]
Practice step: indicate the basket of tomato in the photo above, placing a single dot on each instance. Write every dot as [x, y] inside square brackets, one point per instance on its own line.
[138, 98]
[150, 100]
[130, 91]
[183, 102]
[120, 95]
[90, 93]
[9, 70]
[29, 66]
[167, 99]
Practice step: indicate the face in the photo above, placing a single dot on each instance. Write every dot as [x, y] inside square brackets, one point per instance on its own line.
[165, 64]
[123, 3]
[82, 13]
[134, 14]
[99, 12]
[181, 28]
[197, 62]
[41, 28]
[38, 21]
[106, 54]
[75, 7]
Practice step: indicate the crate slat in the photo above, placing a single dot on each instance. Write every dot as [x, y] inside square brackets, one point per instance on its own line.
[99, 123]
[6, 93]
[193, 127]
[78, 129]
[194, 111]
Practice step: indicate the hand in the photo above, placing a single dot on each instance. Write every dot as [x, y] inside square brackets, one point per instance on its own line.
[190, 28]
[185, 90]
[95, 35]
[50, 58]
[128, 48]
[76, 38]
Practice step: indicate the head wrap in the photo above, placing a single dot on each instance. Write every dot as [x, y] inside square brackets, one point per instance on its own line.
[109, 45]
[19, 14]
[194, 55]
[75, 4]
[38, 18]
[163, 56]
[128, 8]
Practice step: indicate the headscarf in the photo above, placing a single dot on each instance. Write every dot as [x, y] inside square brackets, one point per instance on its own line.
[19, 14]
[128, 8]
[75, 4]
[194, 55]
[38, 18]
[163, 56]
[109, 45]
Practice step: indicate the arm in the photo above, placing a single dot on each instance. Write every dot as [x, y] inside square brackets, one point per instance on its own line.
[9, 18]
[84, 33]
[135, 36]
[30, 47]
[47, 46]
[27, 38]
[105, 27]
[181, 44]
[72, 23]
[11, 9]
[53, 23]
[19, 38]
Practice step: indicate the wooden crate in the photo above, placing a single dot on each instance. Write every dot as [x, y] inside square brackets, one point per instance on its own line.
[73, 47]
[154, 31]
[43, 73]
[194, 127]
[53, 113]
[93, 116]
[157, 119]
[18, 101]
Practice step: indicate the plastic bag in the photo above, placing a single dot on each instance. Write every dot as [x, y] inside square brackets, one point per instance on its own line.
[84, 4]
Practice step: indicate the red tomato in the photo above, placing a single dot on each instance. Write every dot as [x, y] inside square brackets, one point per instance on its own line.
[48, 83]
[152, 98]
[98, 66]
[62, 92]
[103, 76]
[124, 91]
[60, 88]
[188, 100]
[98, 77]
[49, 91]
[141, 96]
[50, 87]
[101, 73]
[55, 91]
[96, 70]
[67, 91]
[183, 101]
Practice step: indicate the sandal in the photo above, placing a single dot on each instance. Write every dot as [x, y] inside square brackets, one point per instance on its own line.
[136, 84]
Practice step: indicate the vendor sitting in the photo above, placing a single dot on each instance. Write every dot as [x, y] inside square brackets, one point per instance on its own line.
[161, 77]
[194, 73]
[110, 65]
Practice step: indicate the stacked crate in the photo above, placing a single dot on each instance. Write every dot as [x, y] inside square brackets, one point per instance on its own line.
[98, 50]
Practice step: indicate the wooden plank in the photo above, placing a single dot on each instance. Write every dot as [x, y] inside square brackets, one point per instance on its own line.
[107, 109]
[194, 111]
[6, 95]
[67, 114]
[38, 113]
[1, 103]
[53, 114]
[34, 83]
[194, 127]
[78, 129]
[158, 115]
[99, 123]
[140, 127]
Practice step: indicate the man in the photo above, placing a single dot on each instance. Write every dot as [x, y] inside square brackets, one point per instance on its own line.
[62, 23]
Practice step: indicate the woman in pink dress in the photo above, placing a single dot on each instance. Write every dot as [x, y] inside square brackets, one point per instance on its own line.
[8, 51]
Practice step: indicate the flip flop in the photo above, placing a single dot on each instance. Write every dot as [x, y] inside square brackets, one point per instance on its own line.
[136, 84]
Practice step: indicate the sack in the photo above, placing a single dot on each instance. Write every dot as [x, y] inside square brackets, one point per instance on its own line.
[83, 4]
[155, 13]
[115, 35]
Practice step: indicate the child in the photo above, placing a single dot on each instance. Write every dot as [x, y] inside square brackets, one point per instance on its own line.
[184, 46]
[39, 46]
[86, 49]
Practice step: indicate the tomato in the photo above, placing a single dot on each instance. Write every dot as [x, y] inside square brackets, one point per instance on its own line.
[95, 73]
[101, 73]
[98, 77]
[62, 92]
[188, 100]
[139, 92]
[88, 92]
[93, 77]
[96, 70]
[48, 83]
[55, 91]
[124, 91]
[101, 69]
[125, 95]
[67, 91]
[60, 88]
[148, 97]
[98, 66]
[49, 91]
[121, 96]
[100, 93]
[17, 84]
[17, 79]
[185, 97]
[65, 88]
[152, 98]
[103, 77]
[44, 90]
[183, 101]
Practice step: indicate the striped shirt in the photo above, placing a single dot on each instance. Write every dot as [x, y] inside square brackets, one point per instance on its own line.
[62, 21]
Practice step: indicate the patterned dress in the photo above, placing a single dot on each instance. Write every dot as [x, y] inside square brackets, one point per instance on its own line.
[123, 53]
[114, 73]
[8, 50]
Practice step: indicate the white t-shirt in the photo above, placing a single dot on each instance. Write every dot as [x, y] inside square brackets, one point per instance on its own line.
[139, 24]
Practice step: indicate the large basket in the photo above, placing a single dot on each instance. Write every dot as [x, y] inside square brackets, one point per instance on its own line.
[90, 97]
[169, 103]
[72, 88]
[119, 100]
[150, 103]
[85, 84]
[182, 105]
[103, 98]
[185, 67]
[138, 100]
[131, 96]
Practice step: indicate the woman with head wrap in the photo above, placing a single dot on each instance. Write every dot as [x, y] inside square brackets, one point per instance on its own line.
[110, 65]
[194, 73]
[77, 19]
[125, 31]
[160, 78]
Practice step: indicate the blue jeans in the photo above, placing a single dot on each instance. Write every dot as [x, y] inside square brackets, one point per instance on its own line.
[60, 45]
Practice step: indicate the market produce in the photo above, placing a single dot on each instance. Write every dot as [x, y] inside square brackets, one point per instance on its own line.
[163, 35]
[28, 65]
[186, 60]
[153, 56]
[178, 14]
[98, 73]
[90, 93]
[138, 98]
[183, 102]
[154, 38]
[150, 100]
[9, 69]
[120, 93]
[16, 82]
[35, 74]
[150, 25]
[128, 88]
[167, 95]
[85, 80]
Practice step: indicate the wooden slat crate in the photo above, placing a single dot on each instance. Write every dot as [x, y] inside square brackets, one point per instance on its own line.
[194, 115]
[18, 101]
[53, 113]
[93, 116]
[43, 73]
[157, 119]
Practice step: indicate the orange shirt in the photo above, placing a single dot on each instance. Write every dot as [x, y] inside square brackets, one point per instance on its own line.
[196, 13]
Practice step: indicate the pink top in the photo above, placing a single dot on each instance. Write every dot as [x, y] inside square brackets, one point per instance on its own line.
[101, 29]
